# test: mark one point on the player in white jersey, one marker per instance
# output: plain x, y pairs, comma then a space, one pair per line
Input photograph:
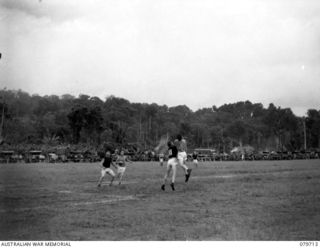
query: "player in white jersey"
181, 145
161, 159
121, 162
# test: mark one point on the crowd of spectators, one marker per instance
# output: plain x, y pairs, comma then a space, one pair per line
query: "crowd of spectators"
30, 153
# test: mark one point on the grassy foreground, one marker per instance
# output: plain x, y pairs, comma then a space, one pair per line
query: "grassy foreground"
265, 200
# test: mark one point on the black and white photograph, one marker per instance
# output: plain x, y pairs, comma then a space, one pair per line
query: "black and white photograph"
159, 120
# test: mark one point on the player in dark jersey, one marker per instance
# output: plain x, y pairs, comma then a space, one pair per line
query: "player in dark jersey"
105, 168
195, 158
171, 165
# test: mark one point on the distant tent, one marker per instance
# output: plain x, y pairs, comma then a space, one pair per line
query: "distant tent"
244, 149
235, 150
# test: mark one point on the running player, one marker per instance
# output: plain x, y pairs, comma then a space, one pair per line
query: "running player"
181, 144
161, 159
171, 165
121, 162
195, 158
105, 168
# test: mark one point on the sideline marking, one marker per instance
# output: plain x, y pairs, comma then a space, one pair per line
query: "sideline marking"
116, 199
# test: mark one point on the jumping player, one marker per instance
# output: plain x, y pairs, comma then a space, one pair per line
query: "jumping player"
171, 165
121, 162
105, 168
181, 145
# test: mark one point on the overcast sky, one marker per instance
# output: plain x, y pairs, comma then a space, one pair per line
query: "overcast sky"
198, 53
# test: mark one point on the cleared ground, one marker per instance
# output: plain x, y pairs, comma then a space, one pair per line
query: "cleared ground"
249, 200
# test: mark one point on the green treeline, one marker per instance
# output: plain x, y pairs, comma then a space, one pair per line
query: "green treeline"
52, 120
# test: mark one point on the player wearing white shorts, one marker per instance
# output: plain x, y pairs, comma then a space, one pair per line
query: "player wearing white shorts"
171, 165
181, 144
195, 158
121, 162
105, 168
161, 159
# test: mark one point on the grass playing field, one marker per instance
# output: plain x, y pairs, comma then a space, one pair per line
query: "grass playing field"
267, 200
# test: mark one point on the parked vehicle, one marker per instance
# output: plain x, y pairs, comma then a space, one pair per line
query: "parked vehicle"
53, 158
298, 155
206, 154
8, 157
258, 156
34, 156
75, 156
266, 155
274, 156
89, 156
285, 155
